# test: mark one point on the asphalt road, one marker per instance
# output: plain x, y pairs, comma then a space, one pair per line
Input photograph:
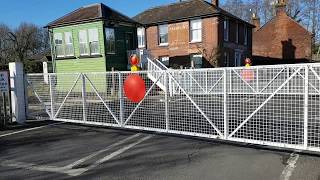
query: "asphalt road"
69, 151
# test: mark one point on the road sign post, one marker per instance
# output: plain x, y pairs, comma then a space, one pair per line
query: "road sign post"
4, 89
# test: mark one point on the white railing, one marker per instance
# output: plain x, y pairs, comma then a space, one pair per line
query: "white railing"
273, 105
155, 70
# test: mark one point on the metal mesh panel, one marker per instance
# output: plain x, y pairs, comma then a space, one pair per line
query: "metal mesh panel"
273, 116
102, 97
271, 105
314, 107
193, 111
38, 96
67, 96
150, 112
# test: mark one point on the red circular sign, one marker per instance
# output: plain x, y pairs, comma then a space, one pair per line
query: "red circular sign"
134, 88
134, 60
247, 74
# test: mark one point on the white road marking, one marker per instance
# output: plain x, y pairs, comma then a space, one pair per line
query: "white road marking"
30, 129
78, 171
31, 166
101, 151
110, 156
288, 170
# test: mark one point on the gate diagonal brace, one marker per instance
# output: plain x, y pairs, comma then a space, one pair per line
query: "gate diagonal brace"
197, 107
101, 99
271, 81
244, 80
64, 100
196, 82
264, 103
215, 84
38, 97
315, 73
147, 93
309, 83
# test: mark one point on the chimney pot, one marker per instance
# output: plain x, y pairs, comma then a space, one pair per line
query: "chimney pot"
281, 7
215, 2
255, 21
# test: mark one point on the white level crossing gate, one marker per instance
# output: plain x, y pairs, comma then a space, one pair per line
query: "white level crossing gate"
276, 106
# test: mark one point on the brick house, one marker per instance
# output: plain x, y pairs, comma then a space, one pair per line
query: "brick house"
194, 32
281, 40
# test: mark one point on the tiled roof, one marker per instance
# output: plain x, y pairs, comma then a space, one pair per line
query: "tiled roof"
180, 11
89, 14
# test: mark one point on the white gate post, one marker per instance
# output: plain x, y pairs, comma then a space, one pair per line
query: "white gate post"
306, 103
166, 101
51, 96
121, 99
17, 86
225, 104
84, 94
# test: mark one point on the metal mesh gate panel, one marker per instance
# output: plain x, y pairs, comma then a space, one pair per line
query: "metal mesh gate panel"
270, 105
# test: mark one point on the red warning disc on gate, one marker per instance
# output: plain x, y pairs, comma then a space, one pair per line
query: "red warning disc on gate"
247, 74
134, 88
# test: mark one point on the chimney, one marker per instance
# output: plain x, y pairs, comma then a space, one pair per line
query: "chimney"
215, 2
255, 21
281, 7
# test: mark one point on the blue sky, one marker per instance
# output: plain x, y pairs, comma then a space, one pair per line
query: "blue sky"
41, 12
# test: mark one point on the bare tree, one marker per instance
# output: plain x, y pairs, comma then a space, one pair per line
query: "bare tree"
306, 13
212, 55
4, 44
27, 40
238, 8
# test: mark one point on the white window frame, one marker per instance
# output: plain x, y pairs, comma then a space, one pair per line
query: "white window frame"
196, 29
113, 41
226, 30
68, 43
93, 38
85, 42
56, 45
161, 33
165, 60
245, 35
141, 35
193, 56
237, 54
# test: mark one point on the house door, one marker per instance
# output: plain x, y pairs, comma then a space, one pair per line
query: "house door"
129, 41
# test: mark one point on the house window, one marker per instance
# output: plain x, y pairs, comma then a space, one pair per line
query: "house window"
83, 43
69, 51
245, 35
226, 29
237, 33
110, 41
164, 60
226, 59
59, 44
163, 35
237, 58
196, 30
93, 41
141, 37
196, 60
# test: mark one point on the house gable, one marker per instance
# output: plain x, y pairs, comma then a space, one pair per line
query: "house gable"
282, 38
